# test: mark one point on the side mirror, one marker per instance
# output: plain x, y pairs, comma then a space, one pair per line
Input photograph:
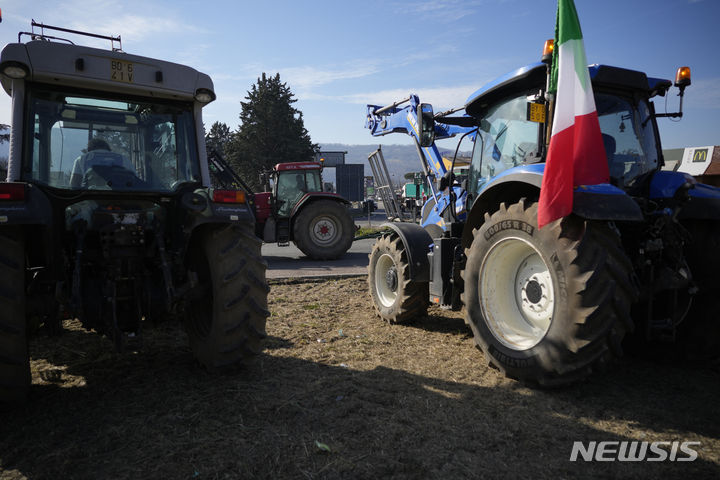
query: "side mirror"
426, 124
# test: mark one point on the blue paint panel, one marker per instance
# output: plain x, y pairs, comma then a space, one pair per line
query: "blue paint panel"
601, 189
489, 86
658, 86
535, 169
705, 191
524, 173
664, 184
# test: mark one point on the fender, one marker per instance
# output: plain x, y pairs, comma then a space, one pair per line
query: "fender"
704, 201
33, 209
593, 202
308, 197
201, 210
605, 202
508, 186
417, 244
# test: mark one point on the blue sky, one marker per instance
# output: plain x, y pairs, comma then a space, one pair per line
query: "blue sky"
337, 56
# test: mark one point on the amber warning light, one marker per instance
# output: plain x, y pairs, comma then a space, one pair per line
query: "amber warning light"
548, 50
682, 77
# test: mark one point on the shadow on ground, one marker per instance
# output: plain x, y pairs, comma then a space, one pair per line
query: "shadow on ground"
156, 414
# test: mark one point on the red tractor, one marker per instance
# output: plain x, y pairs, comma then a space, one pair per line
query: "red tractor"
295, 208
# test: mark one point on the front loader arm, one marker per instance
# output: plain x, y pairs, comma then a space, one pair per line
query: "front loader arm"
395, 118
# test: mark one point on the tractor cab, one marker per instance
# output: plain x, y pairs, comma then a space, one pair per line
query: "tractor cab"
294, 208
293, 181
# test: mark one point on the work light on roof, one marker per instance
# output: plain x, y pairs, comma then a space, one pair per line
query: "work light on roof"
203, 95
14, 70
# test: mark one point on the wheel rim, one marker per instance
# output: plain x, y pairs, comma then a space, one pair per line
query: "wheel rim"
324, 230
517, 295
386, 280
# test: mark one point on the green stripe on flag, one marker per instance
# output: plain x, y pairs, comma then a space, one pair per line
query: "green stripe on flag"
568, 23
567, 27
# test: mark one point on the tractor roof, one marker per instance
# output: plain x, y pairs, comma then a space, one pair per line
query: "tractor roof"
92, 68
298, 166
530, 76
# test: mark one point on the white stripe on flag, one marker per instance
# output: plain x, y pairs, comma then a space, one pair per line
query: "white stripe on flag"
575, 100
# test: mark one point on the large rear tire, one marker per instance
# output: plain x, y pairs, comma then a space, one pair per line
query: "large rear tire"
323, 230
547, 305
14, 360
396, 297
227, 324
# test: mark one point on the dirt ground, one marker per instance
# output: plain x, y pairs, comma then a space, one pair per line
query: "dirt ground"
340, 394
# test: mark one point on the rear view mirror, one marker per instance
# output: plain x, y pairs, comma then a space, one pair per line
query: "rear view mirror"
426, 124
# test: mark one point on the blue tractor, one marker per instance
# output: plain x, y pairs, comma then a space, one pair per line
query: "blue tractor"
634, 264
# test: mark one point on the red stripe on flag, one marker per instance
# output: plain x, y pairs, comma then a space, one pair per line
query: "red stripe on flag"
576, 156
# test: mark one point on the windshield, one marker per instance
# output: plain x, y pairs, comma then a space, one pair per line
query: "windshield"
628, 135
83, 142
292, 185
506, 139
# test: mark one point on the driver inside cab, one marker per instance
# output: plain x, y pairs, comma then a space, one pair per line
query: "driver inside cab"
98, 154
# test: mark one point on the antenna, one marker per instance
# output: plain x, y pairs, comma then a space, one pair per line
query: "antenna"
42, 36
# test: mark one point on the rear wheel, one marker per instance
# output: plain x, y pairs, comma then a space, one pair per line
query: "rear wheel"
396, 297
546, 306
699, 333
14, 359
226, 324
323, 230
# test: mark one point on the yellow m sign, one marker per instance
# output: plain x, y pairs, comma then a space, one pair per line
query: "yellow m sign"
700, 155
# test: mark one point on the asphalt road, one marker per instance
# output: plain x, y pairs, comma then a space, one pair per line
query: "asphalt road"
290, 262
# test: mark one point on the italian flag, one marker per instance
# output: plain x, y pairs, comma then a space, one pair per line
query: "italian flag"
576, 155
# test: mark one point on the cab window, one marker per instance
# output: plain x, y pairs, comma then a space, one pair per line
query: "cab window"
505, 139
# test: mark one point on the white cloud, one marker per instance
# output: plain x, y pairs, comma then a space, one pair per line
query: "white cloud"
440, 97
115, 18
301, 79
308, 77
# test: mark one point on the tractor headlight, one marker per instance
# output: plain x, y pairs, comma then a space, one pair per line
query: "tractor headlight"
203, 95
15, 70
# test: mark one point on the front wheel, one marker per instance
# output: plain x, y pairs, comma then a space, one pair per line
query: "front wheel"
396, 297
323, 230
547, 305
226, 324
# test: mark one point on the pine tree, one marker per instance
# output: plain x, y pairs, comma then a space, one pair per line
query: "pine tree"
271, 131
5, 136
218, 137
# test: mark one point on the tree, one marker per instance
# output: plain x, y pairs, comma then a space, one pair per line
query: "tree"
5, 135
272, 131
218, 137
